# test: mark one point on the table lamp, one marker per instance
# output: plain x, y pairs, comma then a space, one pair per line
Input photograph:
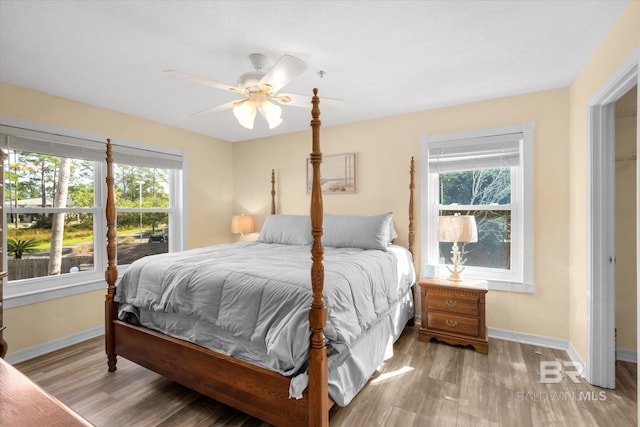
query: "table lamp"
457, 229
241, 224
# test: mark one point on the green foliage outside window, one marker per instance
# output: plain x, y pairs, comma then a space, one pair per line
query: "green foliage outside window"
17, 247
482, 188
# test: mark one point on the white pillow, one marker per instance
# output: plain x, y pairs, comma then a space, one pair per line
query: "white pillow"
287, 230
358, 231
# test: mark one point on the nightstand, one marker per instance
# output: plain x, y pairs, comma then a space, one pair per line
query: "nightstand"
453, 312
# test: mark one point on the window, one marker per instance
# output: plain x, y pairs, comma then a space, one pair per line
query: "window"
54, 210
487, 174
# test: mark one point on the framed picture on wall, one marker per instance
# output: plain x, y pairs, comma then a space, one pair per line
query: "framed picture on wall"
338, 174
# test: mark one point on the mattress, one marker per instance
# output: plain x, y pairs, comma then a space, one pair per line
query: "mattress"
250, 300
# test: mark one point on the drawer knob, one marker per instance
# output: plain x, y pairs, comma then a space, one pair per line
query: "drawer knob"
451, 302
452, 323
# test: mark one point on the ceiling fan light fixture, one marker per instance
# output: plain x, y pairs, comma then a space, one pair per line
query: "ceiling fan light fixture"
271, 112
245, 113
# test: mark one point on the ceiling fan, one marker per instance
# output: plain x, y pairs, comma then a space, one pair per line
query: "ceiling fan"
259, 89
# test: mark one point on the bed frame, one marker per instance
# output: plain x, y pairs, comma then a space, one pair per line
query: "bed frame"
249, 388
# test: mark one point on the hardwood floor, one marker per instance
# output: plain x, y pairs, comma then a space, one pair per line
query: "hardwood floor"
424, 384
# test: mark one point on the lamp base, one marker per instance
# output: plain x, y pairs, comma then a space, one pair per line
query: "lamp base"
455, 273
458, 264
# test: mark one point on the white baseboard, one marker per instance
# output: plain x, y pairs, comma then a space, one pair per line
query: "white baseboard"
626, 355
538, 340
57, 344
524, 338
575, 357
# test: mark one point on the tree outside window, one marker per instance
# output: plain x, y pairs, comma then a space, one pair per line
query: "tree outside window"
486, 195
50, 208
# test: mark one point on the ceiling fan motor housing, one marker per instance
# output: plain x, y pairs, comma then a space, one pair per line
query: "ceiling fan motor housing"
250, 80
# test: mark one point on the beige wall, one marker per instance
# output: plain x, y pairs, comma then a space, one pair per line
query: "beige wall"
241, 171
208, 208
623, 38
384, 147
626, 215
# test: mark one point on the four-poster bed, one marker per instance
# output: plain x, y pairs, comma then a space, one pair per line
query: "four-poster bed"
256, 390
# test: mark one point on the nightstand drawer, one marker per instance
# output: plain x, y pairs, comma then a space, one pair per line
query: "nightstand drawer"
468, 305
454, 324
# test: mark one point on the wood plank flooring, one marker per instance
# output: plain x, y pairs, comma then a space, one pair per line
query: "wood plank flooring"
424, 384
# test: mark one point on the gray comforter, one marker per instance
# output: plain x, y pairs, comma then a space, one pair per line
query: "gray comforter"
256, 297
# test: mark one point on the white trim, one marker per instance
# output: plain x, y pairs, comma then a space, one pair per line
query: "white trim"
538, 340
575, 357
520, 278
525, 287
20, 296
626, 355
57, 344
600, 316
524, 338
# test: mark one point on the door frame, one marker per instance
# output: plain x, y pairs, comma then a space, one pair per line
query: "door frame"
600, 366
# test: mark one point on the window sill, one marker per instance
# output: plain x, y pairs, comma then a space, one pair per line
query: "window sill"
501, 285
522, 287
18, 295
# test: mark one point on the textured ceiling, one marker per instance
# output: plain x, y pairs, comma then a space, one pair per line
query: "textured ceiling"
382, 58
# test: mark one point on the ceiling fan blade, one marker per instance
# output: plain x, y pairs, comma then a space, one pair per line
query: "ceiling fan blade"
203, 81
227, 106
286, 69
295, 100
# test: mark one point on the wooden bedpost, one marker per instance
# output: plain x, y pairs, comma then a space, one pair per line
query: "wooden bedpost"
318, 370
273, 192
111, 275
412, 227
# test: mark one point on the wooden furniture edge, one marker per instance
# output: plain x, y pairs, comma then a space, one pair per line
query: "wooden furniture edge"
249, 388
24, 403
480, 344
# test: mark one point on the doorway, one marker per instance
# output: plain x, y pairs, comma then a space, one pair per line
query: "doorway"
626, 274
601, 294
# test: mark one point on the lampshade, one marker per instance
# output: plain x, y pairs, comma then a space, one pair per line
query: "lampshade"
241, 224
272, 113
245, 111
457, 229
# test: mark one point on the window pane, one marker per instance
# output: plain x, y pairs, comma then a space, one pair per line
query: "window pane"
141, 187
29, 245
476, 187
31, 180
493, 249
142, 234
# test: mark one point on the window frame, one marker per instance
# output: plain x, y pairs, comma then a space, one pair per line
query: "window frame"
30, 291
520, 277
